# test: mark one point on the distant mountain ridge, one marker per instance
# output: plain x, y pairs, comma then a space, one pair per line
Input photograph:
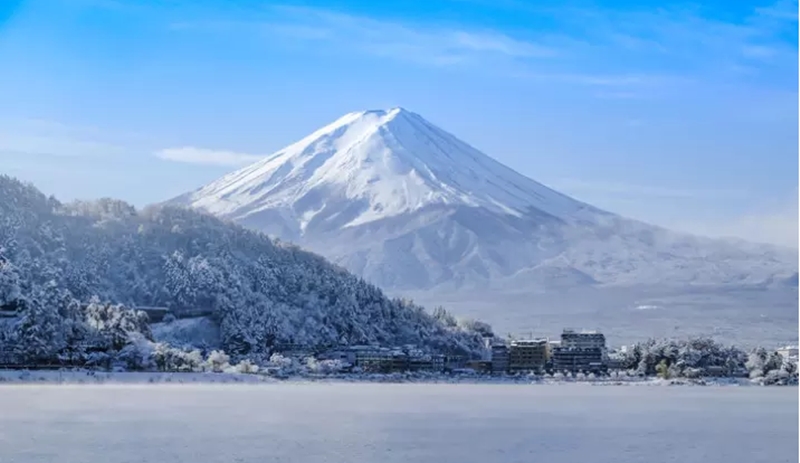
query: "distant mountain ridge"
407, 205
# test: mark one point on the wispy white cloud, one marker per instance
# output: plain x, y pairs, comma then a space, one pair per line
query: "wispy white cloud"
432, 45
39, 137
598, 47
494, 42
410, 41
634, 122
692, 210
782, 10
691, 35
609, 81
776, 225
192, 155
759, 52
677, 208
587, 189
619, 95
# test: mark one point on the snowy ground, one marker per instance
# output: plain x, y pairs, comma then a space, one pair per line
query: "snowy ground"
77, 377
387, 423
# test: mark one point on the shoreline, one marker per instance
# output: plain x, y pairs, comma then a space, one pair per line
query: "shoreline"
88, 377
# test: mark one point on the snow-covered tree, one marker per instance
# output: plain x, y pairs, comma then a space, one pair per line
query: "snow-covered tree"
10, 293
217, 361
116, 324
139, 354
324, 366
246, 367
446, 318
694, 357
37, 335
262, 293
756, 362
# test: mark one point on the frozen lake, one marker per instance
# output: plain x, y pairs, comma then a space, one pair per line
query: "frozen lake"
386, 423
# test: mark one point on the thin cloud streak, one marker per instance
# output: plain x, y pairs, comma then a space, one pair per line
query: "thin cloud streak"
192, 155
584, 188
438, 46
693, 46
13, 144
42, 137
775, 226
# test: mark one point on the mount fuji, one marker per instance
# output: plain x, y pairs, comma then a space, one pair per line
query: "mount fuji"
389, 196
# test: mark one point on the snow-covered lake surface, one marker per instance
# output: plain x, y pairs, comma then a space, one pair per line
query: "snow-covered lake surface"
385, 423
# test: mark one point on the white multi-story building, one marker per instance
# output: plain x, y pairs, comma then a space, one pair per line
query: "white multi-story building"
572, 339
789, 353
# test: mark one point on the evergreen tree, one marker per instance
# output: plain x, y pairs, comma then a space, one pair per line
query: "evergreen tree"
37, 335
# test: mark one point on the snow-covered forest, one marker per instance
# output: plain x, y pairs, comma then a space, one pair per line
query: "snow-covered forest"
700, 357
70, 270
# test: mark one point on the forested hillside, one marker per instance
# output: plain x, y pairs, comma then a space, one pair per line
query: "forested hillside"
262, 293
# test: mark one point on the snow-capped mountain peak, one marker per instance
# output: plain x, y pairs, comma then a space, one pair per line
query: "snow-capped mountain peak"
390, 162
405, 204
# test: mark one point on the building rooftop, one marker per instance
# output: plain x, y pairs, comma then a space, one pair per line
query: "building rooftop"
571, 331
528, 342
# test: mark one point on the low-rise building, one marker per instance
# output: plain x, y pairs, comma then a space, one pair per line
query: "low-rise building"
379, 360
437, 361
480, 366
574, 360
789, 353
455, 362
425, 362
386, 360
343, 355
499, 358
527, 355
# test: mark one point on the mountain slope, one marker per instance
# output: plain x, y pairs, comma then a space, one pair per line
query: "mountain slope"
260, 293
409, 206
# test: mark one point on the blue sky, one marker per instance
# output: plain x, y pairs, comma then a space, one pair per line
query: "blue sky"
680, 114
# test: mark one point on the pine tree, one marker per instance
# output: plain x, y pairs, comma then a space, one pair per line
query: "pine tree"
10, 292
37, 335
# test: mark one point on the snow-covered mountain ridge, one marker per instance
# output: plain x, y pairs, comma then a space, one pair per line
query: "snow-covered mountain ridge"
407, 205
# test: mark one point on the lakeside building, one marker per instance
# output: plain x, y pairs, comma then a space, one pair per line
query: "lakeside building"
576, 351
499, 358
583, 351
576, 360
388, 360
486, 355
480, 366
528, 355
455, 362
789, 353
583, 339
